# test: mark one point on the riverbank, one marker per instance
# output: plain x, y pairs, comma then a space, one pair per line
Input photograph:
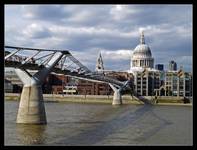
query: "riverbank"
126, 99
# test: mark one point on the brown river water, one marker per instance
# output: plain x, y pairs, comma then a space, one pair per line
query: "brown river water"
102, 124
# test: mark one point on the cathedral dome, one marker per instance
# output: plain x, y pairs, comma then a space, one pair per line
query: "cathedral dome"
142, 51
142, 56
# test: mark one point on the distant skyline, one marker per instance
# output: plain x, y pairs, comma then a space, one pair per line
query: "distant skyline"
113, 30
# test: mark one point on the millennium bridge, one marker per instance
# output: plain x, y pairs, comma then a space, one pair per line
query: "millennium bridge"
31, 108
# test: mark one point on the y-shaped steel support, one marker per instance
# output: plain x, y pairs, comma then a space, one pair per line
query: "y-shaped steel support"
31, 108
117, 98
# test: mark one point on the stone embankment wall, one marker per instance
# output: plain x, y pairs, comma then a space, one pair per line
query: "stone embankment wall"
127, 99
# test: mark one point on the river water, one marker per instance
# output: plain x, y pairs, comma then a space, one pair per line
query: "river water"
102, 124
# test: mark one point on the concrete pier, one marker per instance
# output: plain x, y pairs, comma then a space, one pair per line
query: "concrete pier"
117, 99
31, 108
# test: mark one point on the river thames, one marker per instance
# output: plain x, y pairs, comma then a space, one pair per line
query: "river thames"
102, 124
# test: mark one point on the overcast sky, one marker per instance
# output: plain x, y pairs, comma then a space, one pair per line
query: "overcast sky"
112, 29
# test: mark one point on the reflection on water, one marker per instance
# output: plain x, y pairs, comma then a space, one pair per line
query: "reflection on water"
123, 119
102, 124
30, 134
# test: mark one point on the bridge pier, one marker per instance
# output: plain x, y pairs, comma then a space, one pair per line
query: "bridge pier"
31, 108
117, 98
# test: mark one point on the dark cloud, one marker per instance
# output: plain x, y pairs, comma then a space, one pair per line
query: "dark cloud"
45, 12
75, 15
160, 14
99, 15
87, 29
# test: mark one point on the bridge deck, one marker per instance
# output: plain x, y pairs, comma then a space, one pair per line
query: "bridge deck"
95, 78
74, 69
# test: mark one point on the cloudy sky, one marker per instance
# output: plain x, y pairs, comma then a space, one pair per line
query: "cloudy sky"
112, 30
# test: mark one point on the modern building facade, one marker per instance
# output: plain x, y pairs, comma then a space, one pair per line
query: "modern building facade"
178, 83
146, 82
159, 67
172, 65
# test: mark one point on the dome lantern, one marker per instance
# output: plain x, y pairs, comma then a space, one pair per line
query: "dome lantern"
142, 40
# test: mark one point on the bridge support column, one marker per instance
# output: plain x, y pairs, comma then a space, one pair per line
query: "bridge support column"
31, 108
117, 98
